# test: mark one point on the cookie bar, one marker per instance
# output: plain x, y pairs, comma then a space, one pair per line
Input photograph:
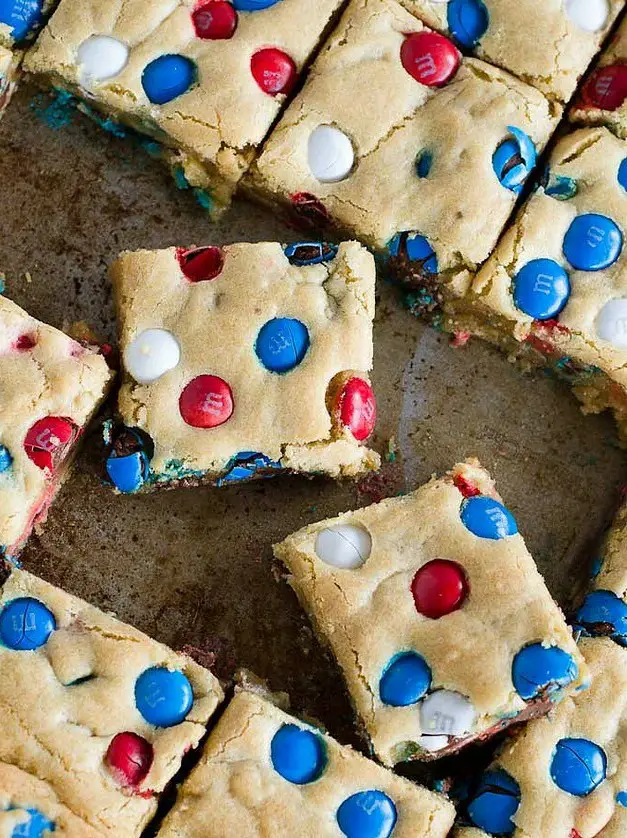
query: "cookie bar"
264, 772
28, 807
21, 20
604, 609
564, 776
204, 78
51, 385
111, 715
243, 361
554, 292
392, 588
549, 49
601, 98
408, 147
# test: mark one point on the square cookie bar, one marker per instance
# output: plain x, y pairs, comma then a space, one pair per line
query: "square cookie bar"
437, 615
205, 78
549, 47
405, 145
601, 98
50, 385
565, 775
96, 714
554, 292
604, 610
264, 772
243, 361
30, 809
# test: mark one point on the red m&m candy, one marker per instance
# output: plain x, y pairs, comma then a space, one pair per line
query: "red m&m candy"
430, 58
439, 588
25, 342
606, 88
202, 263
357, 408
273, 70
129, 758
214, 20
206, 402
48, 439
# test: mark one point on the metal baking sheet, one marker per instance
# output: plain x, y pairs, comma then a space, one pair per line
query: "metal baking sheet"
194, 567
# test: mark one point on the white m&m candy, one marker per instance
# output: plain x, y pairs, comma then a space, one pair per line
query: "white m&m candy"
611, 323
589, 15
153, 353
101, 57
330, 154
444, 713
345, 546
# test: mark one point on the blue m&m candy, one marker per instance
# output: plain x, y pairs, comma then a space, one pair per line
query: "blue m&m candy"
578, 766
37, 825
468, 21
424, 161
621, 799
405, 680
560, 187
163, 696
21, 16
298, 755
282, 343
310, 253
487, 518
514, 159
592, 242
622, 174
6, 459
168, 77
127, 464
541, 289
495, 803
26, 624
415, 248
127, 473
604, 613
542, 669
367, 814
253, 5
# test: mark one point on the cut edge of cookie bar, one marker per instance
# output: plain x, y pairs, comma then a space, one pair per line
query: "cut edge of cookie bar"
309, 277
564, 775
565, 344
405, 254
327, 565
47, 456
303, 772
213, 177
103, 757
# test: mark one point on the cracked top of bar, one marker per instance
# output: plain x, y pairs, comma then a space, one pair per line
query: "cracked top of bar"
71, 680
601, 98
566, 246
275, 340
437, 588
242, 785
549, 48
569, 769
222, 113
50, 386
423, 155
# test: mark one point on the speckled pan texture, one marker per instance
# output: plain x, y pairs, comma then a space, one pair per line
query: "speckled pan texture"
193, 567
